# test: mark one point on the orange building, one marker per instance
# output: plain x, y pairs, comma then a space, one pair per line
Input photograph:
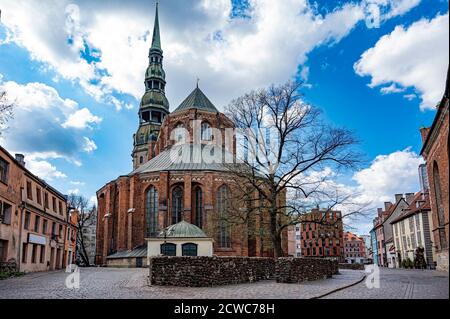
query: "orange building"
34, 220
354, 248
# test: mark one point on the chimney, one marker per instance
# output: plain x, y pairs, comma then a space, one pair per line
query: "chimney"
379, 211
398, 197
20, 158
424, 133
387, 205
409, 197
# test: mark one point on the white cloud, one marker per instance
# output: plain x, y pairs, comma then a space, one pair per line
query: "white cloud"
44, 169
89, 145
388, 175
393, 88
77, 183
198, 37
46, 125
93, 200
74, 191
415, 56
81, 119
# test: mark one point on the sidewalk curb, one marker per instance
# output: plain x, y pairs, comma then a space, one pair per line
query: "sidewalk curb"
340, 288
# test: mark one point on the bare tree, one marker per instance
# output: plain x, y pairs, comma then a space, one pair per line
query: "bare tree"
287, 155
87, 217
6, 109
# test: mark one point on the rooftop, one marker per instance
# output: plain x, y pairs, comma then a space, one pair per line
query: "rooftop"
197, 100
182, 229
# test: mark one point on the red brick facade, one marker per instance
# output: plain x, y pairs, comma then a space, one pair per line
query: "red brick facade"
436, 154
322, 235
121, 215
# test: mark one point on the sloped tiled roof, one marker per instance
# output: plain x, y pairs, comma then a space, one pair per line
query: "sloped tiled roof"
420, 203
197, 100
140, 251
185, 157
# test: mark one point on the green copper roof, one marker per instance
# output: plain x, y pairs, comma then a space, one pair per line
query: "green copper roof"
154, 99
182, 230
197, 100
156, 40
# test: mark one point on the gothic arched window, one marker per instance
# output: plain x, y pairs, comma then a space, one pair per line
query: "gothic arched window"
179, 133
198, 206
206, 132
177, 204
223, 235
151, 211
439, 205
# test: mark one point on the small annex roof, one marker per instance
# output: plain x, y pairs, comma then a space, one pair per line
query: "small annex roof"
182, 229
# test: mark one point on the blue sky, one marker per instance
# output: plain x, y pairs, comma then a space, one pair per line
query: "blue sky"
76, 71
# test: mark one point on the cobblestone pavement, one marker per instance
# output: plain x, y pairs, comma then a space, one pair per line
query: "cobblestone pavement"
132, 283
401, 284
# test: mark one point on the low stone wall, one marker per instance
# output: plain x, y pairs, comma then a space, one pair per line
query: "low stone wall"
209, 271
351, 266
291, 270
215, 271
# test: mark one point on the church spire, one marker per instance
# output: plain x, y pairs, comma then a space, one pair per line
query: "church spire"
156, 40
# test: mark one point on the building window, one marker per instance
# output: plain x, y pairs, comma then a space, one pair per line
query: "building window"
46, 200
37, 220
5, 213
168, 249
29, 191
33, 253
151, 211
177, 204
42, 256
38, 196
4, 165
189, 249
3, 250
224, 240
54, 203
44, 227
53, 229
60, 208
60, 233
141, 159
26, 223
206, 132
24, 252
179, 133
198, 197
439, 206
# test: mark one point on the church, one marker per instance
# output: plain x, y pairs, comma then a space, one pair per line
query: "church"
172, 182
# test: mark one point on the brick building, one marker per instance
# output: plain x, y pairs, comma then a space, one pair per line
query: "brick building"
37, 232
435, 151
354, 248
178, 175
321, 234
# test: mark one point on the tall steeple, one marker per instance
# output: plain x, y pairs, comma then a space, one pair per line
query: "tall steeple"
156, 40
154, 105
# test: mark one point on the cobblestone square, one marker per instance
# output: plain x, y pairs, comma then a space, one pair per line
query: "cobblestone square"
122, 283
